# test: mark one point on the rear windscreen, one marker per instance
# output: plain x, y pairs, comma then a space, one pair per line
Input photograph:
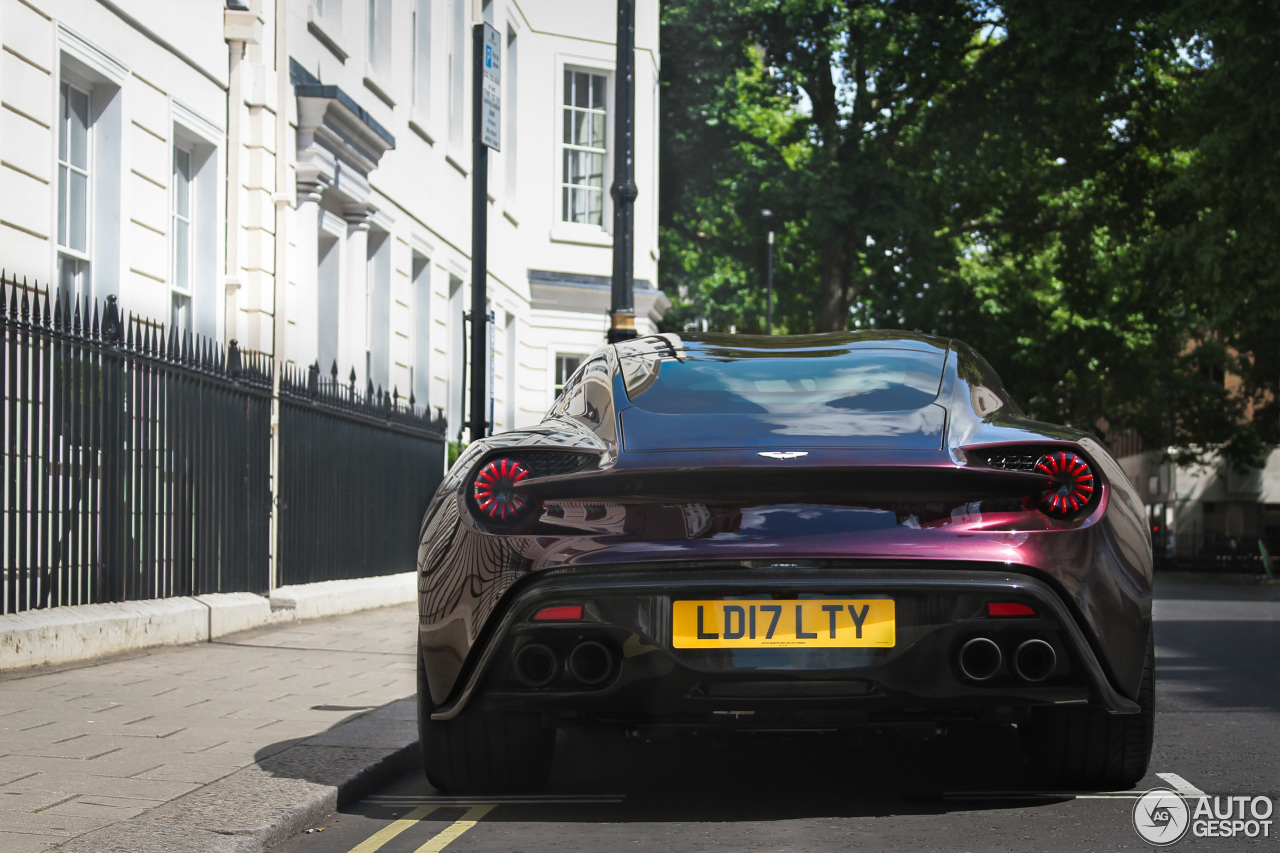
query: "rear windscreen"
856, 380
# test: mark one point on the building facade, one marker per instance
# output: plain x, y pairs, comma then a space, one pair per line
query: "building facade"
1210, 509
297, 174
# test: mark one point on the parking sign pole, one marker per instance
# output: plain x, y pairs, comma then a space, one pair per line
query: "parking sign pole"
485, 132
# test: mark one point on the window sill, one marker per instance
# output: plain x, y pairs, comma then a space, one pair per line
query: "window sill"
315, 26
378, 87
585, 235
448, 158
420, 128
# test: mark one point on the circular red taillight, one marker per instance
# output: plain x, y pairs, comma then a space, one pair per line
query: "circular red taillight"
495, 493
1071, 483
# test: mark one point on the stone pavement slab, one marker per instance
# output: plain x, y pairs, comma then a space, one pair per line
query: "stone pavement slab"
221, 746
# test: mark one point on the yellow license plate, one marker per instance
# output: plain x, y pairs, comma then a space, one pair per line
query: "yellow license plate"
762, 624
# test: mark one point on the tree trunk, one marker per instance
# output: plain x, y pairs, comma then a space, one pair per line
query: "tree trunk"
834, 295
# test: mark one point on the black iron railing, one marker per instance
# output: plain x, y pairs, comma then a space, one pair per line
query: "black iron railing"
356, 474
1218, 552
136, 464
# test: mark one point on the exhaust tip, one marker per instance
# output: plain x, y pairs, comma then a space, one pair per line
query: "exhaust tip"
536, 665
1035, 660
979, 659
591, 662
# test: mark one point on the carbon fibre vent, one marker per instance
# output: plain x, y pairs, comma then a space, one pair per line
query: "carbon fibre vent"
549, 463
1015, 460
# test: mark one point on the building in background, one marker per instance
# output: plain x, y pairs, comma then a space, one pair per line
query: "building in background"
1208, 515
297, 177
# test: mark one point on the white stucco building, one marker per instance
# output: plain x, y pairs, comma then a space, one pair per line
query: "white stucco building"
297, 175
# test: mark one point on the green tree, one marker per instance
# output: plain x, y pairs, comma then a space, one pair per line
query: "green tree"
1085, 191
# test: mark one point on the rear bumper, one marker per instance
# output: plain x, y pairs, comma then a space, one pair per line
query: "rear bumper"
628, 613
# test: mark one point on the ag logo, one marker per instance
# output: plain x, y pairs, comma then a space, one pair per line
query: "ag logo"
1161, 817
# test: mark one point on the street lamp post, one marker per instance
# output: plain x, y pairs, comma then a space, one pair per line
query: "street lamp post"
767, 215
622, 312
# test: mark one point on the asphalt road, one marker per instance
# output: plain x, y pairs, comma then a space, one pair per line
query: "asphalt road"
1218, 732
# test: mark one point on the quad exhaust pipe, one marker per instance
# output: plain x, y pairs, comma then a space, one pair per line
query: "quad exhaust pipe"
980, 658
537, 665
1034, 660
590, 663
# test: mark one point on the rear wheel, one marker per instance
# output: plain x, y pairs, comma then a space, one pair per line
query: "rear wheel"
1085, 748
481, 751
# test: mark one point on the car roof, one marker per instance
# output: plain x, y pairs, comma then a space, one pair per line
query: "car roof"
718, 345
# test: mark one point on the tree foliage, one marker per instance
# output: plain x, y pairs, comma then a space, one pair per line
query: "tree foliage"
1086, 191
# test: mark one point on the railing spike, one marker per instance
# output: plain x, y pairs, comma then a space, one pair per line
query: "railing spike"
46, 322
26, 303
57, 311
4, 303
111, 326
96, 327
76, 322
233, 358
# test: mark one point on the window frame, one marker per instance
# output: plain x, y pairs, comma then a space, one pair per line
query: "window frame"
177, 291
80, 259
204, 142
380, 31
577, 232
90, 69
421, 77
558, 382
569, 113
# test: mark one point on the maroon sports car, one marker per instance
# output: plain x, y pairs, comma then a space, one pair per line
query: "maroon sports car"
824, 532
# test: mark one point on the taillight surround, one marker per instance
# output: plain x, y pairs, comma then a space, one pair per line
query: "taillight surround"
1072, 483
494, 489
1071, 487
501, 494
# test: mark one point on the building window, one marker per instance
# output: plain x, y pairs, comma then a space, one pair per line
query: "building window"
566, 366
380, 37
181, 228
582, 188
510, 76
422, 57
512, 386
457, 74
329, 10
329, 258
377, 309
73, 192
420, 357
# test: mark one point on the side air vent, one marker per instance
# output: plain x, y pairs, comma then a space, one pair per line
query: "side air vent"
550, 463
1015, 459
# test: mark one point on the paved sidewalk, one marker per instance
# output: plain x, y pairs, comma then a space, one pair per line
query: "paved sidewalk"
207, 747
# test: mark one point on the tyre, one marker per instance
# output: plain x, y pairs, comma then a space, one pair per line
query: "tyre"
482, 751
1085, 748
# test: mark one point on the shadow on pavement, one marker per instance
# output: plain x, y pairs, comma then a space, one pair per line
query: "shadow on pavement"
764, 777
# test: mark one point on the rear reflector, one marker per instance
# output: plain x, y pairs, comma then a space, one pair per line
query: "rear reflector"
1008, 608
562, 613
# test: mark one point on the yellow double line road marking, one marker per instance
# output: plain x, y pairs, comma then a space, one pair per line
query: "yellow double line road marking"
441, 840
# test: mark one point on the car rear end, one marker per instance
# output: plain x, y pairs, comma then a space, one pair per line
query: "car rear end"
754, 558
